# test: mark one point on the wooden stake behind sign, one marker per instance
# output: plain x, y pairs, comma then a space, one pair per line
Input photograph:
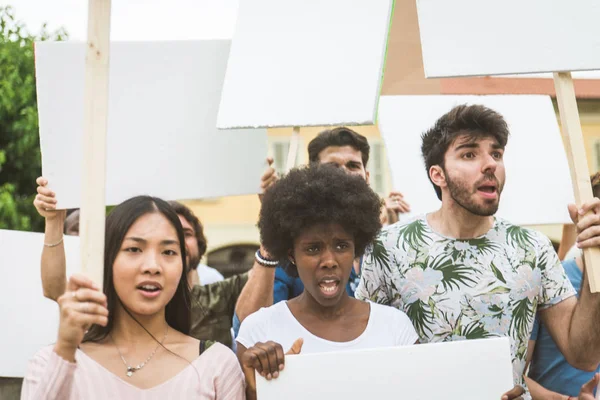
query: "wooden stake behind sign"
293, 151
93, 211
574, 146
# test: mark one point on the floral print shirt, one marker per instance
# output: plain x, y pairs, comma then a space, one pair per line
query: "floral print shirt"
455, 289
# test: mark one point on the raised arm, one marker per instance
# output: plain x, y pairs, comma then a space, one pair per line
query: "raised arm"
569, 235
394, 205
258, 291
572, 323
50, 373
53, 263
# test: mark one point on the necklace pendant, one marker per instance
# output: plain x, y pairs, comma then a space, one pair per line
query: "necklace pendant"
130, 371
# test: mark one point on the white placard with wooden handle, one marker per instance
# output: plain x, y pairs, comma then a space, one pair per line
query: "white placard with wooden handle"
460, 39
573, 141
93, 210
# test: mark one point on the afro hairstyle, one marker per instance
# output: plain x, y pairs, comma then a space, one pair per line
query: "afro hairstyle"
314, 195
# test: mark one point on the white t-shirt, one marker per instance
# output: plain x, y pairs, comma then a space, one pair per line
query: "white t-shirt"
208, 275
387, 327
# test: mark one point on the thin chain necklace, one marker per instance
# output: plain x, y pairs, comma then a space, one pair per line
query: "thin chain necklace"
130, 369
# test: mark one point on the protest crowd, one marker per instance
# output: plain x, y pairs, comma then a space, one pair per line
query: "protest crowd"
340, 270
331, 274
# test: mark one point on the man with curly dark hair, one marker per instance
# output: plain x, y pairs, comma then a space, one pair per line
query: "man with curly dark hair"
462, 273
320, 219
341, 147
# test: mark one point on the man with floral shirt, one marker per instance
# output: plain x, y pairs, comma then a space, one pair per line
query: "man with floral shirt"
460, 273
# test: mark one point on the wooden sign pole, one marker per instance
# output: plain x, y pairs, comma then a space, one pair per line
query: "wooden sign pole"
93, 211
580, 175
293, 151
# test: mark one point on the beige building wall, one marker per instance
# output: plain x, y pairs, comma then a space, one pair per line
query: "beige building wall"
590, 122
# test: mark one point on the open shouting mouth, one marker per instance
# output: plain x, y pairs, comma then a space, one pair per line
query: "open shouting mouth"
329, 286
149, 289
488, 191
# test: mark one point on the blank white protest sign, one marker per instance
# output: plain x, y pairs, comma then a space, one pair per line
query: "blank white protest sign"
538, 183
474, 37
305, 63
30, 321
469, 370
162, 138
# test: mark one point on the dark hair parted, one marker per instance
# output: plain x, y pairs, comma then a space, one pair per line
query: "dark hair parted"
314, 195
338, 137
190, 217
476, 121
118, 223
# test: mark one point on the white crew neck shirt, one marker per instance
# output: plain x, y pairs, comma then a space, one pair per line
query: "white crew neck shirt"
387, 327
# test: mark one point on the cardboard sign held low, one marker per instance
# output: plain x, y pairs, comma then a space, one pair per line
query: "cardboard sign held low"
466, 370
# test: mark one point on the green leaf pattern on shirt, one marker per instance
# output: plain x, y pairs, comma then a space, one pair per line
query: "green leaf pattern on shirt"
452, 289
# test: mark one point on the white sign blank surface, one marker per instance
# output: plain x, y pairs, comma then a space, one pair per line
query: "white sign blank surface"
30, 321
538, 183
134, 20
305, 63
162, 137
474, 37
419, 372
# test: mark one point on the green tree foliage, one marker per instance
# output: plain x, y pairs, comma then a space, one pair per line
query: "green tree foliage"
20, 159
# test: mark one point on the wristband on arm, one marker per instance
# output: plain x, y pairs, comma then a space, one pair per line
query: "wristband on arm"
265, 262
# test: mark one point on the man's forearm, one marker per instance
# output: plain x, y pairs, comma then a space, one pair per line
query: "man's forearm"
53, 263
583, 333
257, 293
538, 392
569, 236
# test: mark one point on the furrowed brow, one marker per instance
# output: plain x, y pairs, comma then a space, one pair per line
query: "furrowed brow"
466, 146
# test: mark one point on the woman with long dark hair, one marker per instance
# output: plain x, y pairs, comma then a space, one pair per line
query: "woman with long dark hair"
131, 341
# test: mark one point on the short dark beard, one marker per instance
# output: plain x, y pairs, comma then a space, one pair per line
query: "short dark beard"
193, 263
460, 194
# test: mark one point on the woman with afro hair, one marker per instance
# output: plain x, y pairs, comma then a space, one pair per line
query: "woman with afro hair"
320, 219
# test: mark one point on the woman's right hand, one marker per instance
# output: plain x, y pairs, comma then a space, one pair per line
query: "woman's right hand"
268, 178
267, 359
45, 201
81, 306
